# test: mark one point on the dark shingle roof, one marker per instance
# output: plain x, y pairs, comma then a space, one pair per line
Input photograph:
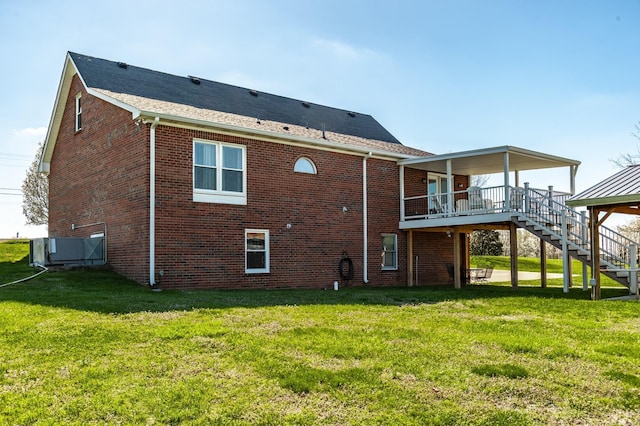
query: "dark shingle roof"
210, 95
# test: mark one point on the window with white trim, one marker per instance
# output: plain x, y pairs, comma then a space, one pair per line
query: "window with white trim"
219, 173
305, 165
78, 112
256, 251
389, 252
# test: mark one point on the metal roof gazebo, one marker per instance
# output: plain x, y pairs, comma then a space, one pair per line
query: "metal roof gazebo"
619, 193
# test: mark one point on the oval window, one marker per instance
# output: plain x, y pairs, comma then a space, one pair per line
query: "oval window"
304, 165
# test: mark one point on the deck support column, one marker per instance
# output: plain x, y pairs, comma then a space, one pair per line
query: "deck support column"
457, 270
513, 243
595, 253
410, 272
543, 264
566, 259
633, 269
585, 235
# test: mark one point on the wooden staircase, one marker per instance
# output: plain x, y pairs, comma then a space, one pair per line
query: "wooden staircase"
568, 230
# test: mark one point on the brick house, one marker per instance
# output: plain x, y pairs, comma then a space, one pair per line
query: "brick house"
199, 184
206, 185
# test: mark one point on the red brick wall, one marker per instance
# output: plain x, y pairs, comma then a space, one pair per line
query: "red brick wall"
101, 174
434, 250
202, 244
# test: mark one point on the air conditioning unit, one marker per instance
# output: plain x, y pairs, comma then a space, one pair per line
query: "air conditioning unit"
67, 251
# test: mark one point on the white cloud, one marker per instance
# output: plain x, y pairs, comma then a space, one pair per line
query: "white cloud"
30, 132
343, 50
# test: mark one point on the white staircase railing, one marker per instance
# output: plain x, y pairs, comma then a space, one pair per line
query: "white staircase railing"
546, 211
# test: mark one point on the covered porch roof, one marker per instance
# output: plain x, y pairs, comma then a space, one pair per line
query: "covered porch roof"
485, 161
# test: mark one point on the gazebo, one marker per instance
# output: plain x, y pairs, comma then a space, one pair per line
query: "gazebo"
619, 193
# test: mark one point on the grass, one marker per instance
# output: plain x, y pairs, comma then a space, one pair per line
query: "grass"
89, 347
530, 264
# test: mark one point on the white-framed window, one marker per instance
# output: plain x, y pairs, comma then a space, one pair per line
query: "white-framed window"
256, 248
78, 112
305, 165
219, 172
389, 252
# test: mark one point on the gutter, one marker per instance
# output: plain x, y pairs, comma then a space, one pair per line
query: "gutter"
152, 202
190, 123
365, 227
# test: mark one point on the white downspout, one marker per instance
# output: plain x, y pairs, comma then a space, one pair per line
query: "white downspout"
365, 275
152, 202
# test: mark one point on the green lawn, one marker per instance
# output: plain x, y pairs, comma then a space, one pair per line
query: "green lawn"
533, 265
89, 347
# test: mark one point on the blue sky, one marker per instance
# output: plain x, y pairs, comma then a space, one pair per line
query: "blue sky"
561, 77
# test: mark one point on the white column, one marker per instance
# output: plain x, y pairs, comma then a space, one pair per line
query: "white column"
402, 193
507, 201
584, 234
566, 270
449, 188
633, 266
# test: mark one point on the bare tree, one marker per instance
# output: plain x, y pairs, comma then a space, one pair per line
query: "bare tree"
625, 160
631, 229
35, 193
479, 180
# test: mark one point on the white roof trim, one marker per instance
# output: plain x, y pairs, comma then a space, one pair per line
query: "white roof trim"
68, 71
168, 119
489, 161
135, 112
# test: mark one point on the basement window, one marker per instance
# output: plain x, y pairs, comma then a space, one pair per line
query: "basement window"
219, 173
304, 165
78, 112
389, 252
256, 251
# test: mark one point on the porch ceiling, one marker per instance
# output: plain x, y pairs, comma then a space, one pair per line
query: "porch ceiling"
488, 161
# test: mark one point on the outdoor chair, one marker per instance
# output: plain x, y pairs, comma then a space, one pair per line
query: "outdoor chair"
436, 205
516, 199
464, 274
488, 274
475, 198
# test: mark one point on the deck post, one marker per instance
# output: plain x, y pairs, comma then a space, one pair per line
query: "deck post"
633, 265
595, 253
543, 264
410, 282
457, 270
584, 235
513, 243
566, 259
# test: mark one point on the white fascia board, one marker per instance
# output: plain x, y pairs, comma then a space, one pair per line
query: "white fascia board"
488, 151
135, 112
68, 71
603, 201
271, 136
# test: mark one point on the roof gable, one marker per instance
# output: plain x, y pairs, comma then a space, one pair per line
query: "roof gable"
210, 95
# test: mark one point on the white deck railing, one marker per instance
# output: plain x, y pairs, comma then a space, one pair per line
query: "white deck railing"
542, 206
